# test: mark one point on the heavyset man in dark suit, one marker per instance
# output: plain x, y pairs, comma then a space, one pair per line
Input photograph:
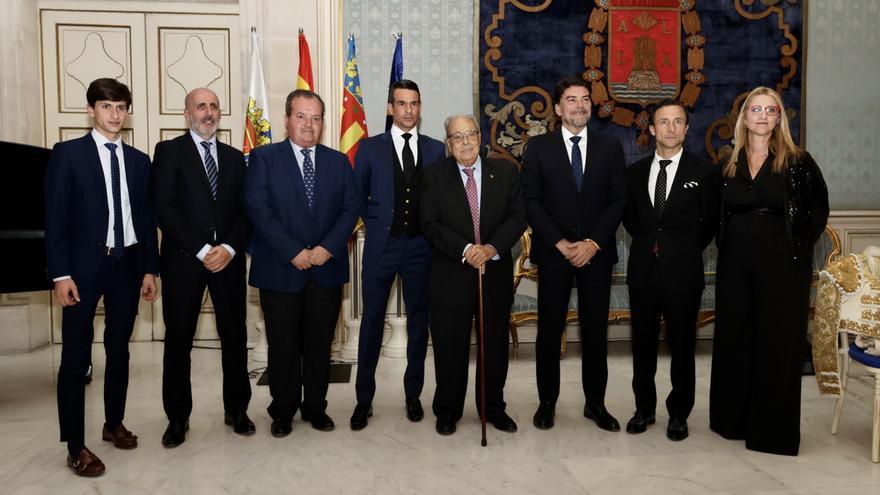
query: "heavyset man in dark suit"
388, 168
303, 202
100, 241
472, 214
574, 185
671, 213
198, 186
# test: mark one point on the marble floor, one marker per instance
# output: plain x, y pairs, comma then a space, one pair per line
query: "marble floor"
393, 455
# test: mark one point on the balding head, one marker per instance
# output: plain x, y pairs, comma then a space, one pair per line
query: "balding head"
202, 112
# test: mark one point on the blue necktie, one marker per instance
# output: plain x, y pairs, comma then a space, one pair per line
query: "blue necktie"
309, 175
116, 185
577, 162
211, 167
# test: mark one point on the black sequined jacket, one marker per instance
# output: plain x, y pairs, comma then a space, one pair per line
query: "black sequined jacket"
806, 207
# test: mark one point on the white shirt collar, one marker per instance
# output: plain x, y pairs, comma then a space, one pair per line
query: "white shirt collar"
397, 133
477, 166
675, 158
297, 149
567, 135
100, 140
198, 140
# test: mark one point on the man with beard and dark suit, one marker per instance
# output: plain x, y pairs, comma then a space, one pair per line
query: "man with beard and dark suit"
388, 168
303, 201
100, 242
472, 214
673, 202
574, 185
198, 187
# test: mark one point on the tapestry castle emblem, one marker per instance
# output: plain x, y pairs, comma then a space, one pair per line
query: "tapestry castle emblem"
644, 50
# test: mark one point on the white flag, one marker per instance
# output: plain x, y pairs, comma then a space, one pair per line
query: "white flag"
257, 128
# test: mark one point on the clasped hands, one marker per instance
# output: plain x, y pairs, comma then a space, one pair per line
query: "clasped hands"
217, 258
478, 254
578, 253
308, 258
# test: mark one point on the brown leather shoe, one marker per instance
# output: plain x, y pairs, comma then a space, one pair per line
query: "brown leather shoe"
120, 436
86, 464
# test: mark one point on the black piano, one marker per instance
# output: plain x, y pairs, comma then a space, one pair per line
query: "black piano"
22, 218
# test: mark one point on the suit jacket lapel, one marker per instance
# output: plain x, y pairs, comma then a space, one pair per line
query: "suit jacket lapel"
193, 159
456, 186
561, 148
90, 150
681, 176
290, 163
225, 165
487, 192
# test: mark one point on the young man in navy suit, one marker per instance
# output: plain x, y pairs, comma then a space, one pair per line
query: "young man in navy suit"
574, 185
198, 188
303, 202
672, 208
389, 168
100, 241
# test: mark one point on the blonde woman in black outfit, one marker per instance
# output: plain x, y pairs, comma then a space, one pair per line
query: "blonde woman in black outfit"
775, 205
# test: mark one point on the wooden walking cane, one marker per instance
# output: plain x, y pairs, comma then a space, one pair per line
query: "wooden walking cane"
482, 350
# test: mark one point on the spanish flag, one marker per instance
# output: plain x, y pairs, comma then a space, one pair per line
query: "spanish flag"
304, 78
354, 121
257, 129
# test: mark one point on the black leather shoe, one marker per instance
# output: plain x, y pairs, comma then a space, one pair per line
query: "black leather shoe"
175, 434
414, 411
319, 420
544, 416
281, 427
503, 422
677, 429
240, 423
359, 416
639, 422
445, 426
602, 417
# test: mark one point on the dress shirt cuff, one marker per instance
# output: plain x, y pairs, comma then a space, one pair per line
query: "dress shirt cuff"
229, 248
465, 250
63, 277
203, 252
497, 256
594, 243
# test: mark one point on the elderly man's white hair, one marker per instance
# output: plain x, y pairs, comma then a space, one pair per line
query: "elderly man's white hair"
459, 116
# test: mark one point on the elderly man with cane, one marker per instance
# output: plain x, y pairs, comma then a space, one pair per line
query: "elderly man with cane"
472, 213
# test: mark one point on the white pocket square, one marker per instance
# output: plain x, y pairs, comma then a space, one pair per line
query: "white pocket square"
691, 184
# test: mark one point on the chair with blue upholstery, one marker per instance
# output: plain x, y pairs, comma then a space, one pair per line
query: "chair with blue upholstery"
871, 363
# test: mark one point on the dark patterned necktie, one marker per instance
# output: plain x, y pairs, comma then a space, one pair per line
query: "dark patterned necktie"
660, 189
116, 185
577, 162
474, 202
211, 167
409, 161
309, 175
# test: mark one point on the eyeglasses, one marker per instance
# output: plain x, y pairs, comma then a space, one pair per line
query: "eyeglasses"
461, 137
769, 109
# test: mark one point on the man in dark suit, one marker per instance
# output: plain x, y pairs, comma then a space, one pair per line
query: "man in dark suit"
671, 213
100, 241
302, 200
472, 214
574, 186
388, 168
198, 188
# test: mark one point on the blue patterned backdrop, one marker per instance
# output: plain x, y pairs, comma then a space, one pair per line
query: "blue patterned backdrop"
534, 43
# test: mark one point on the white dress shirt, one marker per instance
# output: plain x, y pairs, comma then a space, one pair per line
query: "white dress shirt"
671, 169
198, 140
397, 139
582, 144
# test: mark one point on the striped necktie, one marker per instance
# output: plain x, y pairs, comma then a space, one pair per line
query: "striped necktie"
211, 167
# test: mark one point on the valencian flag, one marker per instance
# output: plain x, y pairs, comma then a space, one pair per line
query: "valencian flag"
396, 70
304, 78
354, 123
257, 129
